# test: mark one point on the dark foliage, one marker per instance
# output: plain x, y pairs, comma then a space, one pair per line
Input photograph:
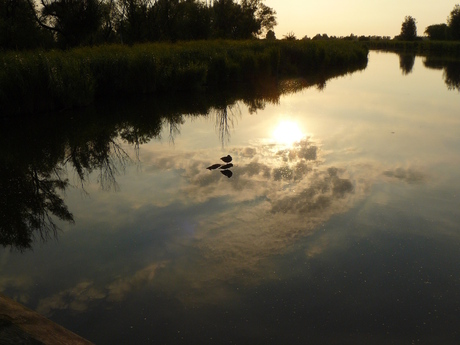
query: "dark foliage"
71, 23
18, 27
408, 29
439, 32
454, 22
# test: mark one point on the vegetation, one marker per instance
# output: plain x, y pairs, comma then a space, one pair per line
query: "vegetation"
408, 29
454, 22
449, 48
26, 24
449, 31
438, 32
18, 28
38, 81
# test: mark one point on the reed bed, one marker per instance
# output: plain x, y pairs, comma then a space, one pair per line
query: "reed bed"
38, 81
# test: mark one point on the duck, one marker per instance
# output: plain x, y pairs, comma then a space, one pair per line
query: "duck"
227, 159
214, 166
226, 166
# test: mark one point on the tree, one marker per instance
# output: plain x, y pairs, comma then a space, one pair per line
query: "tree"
266, 17
241, 20
438, 32
133, 20
225, 18
18, 27
290, 36
192, 21
72, 21
270, 35
320, 37
454, 22
408, 29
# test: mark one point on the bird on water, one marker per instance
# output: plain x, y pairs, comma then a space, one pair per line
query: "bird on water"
214, 166
227, 159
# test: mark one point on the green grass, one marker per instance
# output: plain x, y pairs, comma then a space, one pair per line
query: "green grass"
38, 81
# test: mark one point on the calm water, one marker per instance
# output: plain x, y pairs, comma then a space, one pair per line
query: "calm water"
340, 223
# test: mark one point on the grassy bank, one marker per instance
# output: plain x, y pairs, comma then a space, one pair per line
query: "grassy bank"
450, 48
37, 81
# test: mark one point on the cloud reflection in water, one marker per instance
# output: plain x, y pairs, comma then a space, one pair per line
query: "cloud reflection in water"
277, 195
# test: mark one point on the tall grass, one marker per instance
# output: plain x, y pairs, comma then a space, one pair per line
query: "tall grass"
39, 81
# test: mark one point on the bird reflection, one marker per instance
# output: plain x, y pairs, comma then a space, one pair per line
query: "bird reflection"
224, 169
227, 158
227, 173
226, 166
214, 166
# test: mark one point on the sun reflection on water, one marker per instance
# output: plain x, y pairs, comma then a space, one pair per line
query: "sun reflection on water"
287, 133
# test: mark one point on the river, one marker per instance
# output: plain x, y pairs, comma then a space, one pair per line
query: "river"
338, 222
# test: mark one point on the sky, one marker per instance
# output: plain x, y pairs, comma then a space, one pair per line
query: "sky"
360, 17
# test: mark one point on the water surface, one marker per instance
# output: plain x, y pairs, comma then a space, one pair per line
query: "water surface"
339, 223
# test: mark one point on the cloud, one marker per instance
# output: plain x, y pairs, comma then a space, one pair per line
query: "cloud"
19, 285
76, 299
119, 288
408, 175
275, 197
80, 297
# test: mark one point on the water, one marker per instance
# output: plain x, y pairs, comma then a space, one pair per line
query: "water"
339, 224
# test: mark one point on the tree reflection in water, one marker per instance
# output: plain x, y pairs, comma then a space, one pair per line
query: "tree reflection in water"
406, 62
29, 199
450, 67
33, 172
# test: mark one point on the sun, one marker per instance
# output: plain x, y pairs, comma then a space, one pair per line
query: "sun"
287, 133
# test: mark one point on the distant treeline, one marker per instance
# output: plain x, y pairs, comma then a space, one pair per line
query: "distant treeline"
35, 81
28, 24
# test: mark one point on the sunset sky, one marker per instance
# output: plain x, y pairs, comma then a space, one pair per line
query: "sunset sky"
360, 17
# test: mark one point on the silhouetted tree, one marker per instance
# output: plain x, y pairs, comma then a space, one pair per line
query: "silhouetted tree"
320, 37
270, 35
265, 16
290, 36
408, 29
454, 22
107, 31
225, 18
241, 21
18, 28
72, 21
133, 20
438, 32
192, 21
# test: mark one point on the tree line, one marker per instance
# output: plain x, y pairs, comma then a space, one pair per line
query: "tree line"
439, 32
28, 24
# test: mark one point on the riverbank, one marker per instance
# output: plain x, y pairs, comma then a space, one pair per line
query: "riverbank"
20, 325
39, 81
